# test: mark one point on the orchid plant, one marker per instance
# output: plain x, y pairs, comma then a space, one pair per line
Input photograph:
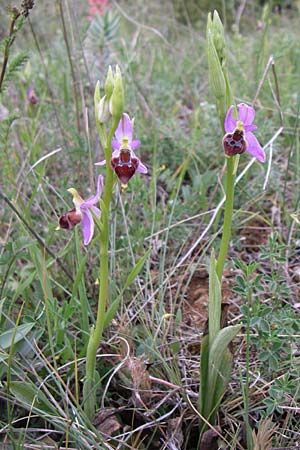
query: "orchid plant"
237, 124
116, 135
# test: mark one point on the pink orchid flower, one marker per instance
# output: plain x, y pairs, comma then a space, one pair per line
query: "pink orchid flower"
83, 212
124, 161
239, 137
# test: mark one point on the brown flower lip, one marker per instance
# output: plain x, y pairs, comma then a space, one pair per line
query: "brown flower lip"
124, 165
70, 219
234, 143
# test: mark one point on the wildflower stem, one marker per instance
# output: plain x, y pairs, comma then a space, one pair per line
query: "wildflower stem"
90, 385
247, 380
7, 46
227, 217
84, 317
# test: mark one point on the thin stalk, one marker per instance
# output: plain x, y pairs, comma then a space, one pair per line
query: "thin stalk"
246, 387
7, 47
96, 332
75, 89
84, 305
227, 217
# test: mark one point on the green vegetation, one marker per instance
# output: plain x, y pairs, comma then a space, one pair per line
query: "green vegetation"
162, 227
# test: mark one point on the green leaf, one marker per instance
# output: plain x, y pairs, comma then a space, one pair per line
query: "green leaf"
110, 313
14, 66
214, 302
222, 381
21, 332
79, 274
204, 393
136, 270
218, 362
32, 397
1, 306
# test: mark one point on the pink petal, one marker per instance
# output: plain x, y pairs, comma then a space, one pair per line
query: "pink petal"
94, 198
87, 225
254, 147
115, 154
250, 128
125, 128
96, 211
100, 163
246, 113
100, 184
116, 144
230, 122
135, 144
141, 168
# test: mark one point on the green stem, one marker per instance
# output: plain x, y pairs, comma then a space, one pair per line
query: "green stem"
227, 217
89, 389
84, 305
247, 381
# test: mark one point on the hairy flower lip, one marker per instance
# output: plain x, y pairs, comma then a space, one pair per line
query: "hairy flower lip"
70, 219
234, 143
246, 115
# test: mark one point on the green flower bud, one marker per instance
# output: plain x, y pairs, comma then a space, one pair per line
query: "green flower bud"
103, 110
216, 78
209, 23
109, 83
216, 75
218, 37
97, 97
117, 98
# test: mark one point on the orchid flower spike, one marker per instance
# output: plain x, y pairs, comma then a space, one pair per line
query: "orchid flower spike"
83, 212
124, 161
239, 137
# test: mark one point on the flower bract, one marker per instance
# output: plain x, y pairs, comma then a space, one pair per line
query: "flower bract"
83, 212
239, 136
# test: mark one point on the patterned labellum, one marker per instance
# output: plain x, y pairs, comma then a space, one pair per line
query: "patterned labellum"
124, 165
69, 220
234, 143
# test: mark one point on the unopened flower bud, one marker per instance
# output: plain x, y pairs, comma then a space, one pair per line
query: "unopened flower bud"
117, 98
97, 98
215, 70
103, 110
218, 37
109, 83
